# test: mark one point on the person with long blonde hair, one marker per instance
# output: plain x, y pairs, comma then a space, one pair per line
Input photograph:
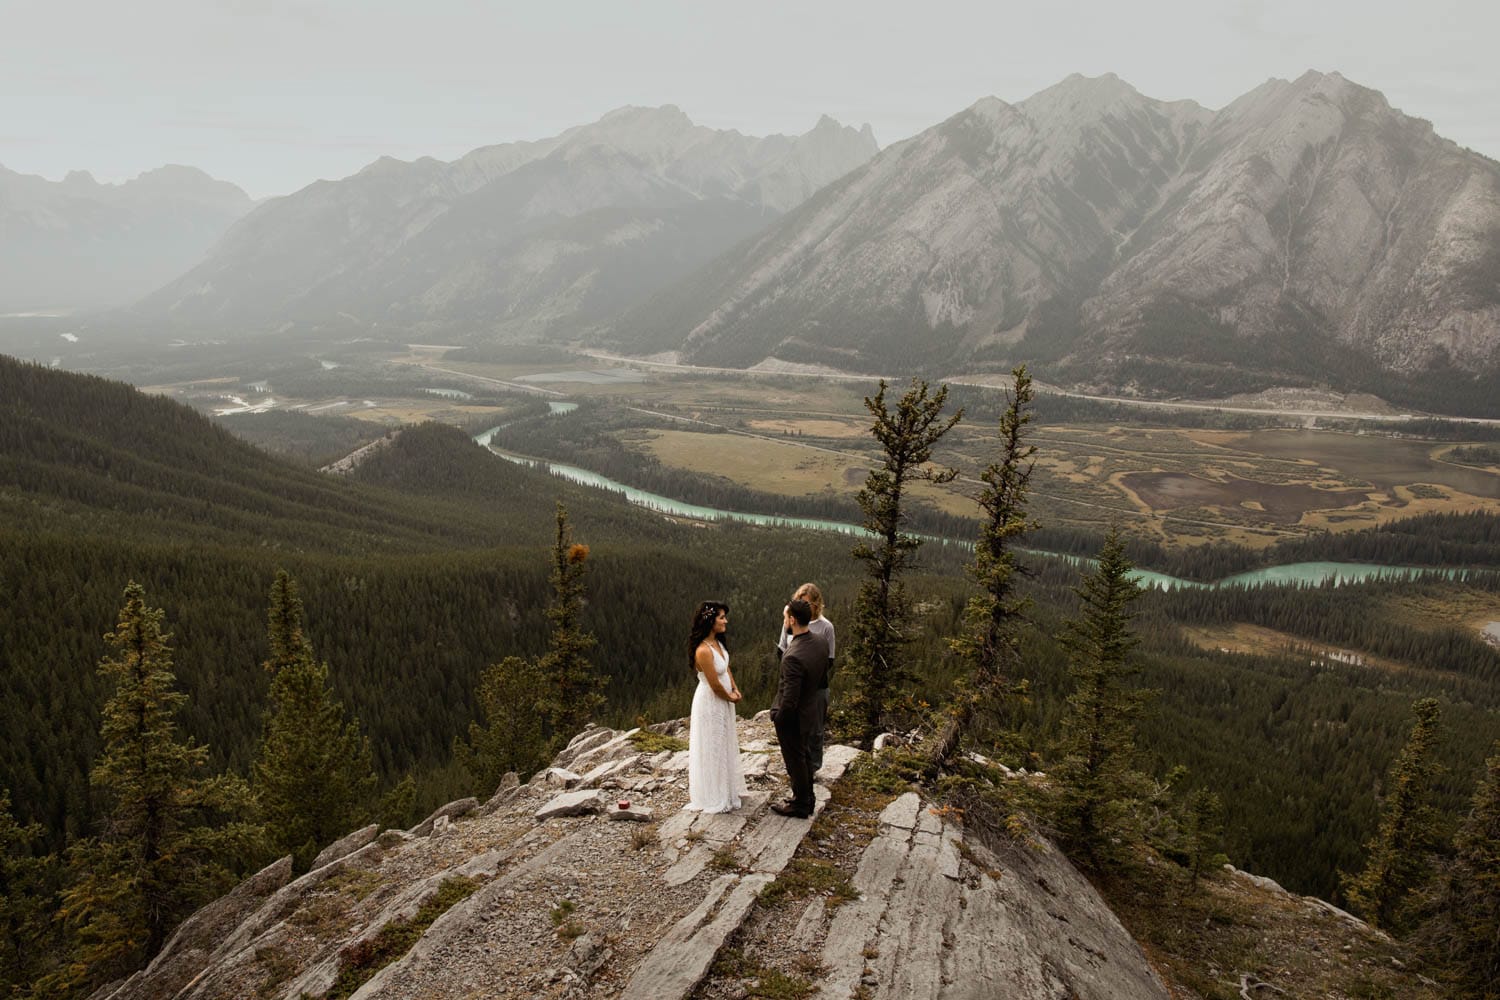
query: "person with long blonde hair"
823, 628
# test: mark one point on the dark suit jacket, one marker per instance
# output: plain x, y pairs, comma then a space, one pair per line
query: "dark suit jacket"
804, 669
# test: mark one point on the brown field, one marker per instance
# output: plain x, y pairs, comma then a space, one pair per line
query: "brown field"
811, 427
1459, 607
414, 411
776, 466
1282, 504
1254, 639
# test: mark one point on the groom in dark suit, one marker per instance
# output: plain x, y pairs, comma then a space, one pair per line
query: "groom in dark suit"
796, 710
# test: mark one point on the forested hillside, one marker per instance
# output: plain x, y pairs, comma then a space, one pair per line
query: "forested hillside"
417, 572
430, 563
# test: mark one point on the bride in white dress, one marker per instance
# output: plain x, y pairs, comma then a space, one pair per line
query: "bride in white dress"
715, 781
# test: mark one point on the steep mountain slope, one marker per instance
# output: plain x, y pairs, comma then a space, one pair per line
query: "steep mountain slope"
76, 243
511, 240
1305, 231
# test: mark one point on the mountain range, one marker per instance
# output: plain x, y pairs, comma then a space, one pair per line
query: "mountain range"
522, 240
1305, 231
78, 244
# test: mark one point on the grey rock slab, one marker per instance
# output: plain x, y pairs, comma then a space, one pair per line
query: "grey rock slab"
635, 813
855, 924
617, 746
915, 928
581, 744
559, 777
262, 924
595, 775
453, 810
682, 958
676, 826
677, 762
346, 845
949, 864
689, 866
440, 949
812, 925
1041, 930
902, 812
187, 951
774, 839
572, 804
836, 760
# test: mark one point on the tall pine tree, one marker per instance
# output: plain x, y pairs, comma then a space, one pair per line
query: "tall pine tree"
1398, 856
989, 643
877, 672
170, 836
1461, 937
26, 902
313, 778
511, 737
1096, 776
572, 687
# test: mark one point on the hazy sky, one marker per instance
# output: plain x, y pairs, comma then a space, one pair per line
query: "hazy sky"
273, 94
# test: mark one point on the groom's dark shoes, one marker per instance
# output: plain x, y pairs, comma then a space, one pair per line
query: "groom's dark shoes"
791, 809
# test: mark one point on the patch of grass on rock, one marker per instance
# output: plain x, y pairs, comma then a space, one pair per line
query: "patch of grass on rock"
808, 876
653, 743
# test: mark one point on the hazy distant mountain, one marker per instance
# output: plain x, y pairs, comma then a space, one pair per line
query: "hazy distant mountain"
76, 244
1305, 231
511, 240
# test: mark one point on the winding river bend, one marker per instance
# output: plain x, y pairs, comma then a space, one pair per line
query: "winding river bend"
1290, 573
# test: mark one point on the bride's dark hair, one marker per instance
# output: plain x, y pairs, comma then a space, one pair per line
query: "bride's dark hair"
703, 627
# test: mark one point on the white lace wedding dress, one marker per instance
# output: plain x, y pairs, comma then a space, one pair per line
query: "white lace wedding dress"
715, 781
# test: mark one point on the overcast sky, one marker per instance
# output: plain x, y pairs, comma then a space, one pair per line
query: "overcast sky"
273, 94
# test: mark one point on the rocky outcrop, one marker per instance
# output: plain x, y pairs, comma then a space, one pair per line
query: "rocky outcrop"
558, 902
1305, 231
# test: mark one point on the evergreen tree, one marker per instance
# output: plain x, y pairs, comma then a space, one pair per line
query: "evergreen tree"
879, 676
313, 777
988, 644
1202, 826
1462, 935
1397, 857
1096, 776
572, 688
25, 901
511, 738
169, 837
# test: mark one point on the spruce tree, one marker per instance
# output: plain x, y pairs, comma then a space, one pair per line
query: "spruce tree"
1202, 832
879, 676
313, 777
1398, 856
26, 901
511, 737
572, 688
1461, 937
1096, 776
988, 645
169, 836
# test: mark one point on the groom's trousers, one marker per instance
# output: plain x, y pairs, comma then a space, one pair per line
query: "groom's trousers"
797, 755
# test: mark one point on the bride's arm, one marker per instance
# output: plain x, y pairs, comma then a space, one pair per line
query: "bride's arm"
704, 661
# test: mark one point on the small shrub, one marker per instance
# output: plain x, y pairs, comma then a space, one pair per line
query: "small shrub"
724, 860
642, 837
562, 911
